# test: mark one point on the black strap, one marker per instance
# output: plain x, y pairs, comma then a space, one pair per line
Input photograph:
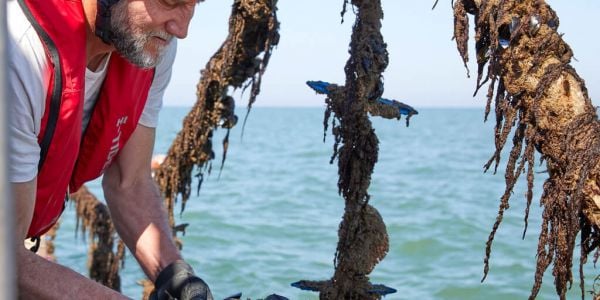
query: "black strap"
55, 99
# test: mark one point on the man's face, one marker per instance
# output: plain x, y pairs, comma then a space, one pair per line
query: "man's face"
143, 28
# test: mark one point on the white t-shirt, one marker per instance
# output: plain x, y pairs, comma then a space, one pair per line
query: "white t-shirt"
28, 81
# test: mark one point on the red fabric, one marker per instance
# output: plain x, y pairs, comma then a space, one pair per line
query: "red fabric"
114, 119
70, 158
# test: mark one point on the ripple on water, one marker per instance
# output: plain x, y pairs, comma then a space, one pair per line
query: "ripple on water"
272, 217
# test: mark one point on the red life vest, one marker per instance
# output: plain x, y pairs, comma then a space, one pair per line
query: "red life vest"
67, 160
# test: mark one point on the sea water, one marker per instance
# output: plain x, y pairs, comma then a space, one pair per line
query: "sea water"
271, 216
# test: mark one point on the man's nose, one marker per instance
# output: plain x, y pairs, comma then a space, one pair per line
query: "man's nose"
178, 25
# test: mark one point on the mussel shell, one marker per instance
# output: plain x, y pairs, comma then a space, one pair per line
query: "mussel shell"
553, 23
229, 122
514, 24
483, 54
534, 25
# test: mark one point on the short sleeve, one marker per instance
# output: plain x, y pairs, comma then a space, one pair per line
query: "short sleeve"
162, 76
25, 104
28, 79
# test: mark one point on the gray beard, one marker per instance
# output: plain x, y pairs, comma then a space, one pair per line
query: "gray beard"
129, 44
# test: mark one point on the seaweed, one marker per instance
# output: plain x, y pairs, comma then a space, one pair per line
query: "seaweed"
104, 259
543, 104
363, 239
240, 62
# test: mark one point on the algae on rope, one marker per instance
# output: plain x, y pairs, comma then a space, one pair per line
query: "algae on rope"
240, 62
104, 259
540, 98
363, 239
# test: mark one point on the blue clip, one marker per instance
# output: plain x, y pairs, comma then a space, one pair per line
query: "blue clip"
319, 86
404, 109
380, 289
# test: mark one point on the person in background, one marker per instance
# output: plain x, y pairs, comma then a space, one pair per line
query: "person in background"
86, 82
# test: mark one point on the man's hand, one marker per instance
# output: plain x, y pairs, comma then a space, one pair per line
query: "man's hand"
137, 210
177, 281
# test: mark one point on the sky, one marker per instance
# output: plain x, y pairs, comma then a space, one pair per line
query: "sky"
425, 69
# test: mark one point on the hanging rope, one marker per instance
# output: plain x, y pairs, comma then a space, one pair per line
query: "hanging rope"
104, 259
363, 239
240, 62
543, 104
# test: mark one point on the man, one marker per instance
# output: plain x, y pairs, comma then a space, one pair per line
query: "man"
86, 80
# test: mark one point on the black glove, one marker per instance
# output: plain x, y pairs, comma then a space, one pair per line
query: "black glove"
177, 281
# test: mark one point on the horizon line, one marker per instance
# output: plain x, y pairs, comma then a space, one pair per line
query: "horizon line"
323, 106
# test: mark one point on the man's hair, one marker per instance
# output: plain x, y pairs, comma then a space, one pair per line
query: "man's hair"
103, 20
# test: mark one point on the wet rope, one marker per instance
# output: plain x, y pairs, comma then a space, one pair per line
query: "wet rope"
541, 102
240, 62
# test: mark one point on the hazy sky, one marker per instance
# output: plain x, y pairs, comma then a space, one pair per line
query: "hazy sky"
425, 69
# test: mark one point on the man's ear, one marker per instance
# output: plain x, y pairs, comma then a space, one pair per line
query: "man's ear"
103, 20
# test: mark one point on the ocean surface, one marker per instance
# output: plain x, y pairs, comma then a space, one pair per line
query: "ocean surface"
271, 217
